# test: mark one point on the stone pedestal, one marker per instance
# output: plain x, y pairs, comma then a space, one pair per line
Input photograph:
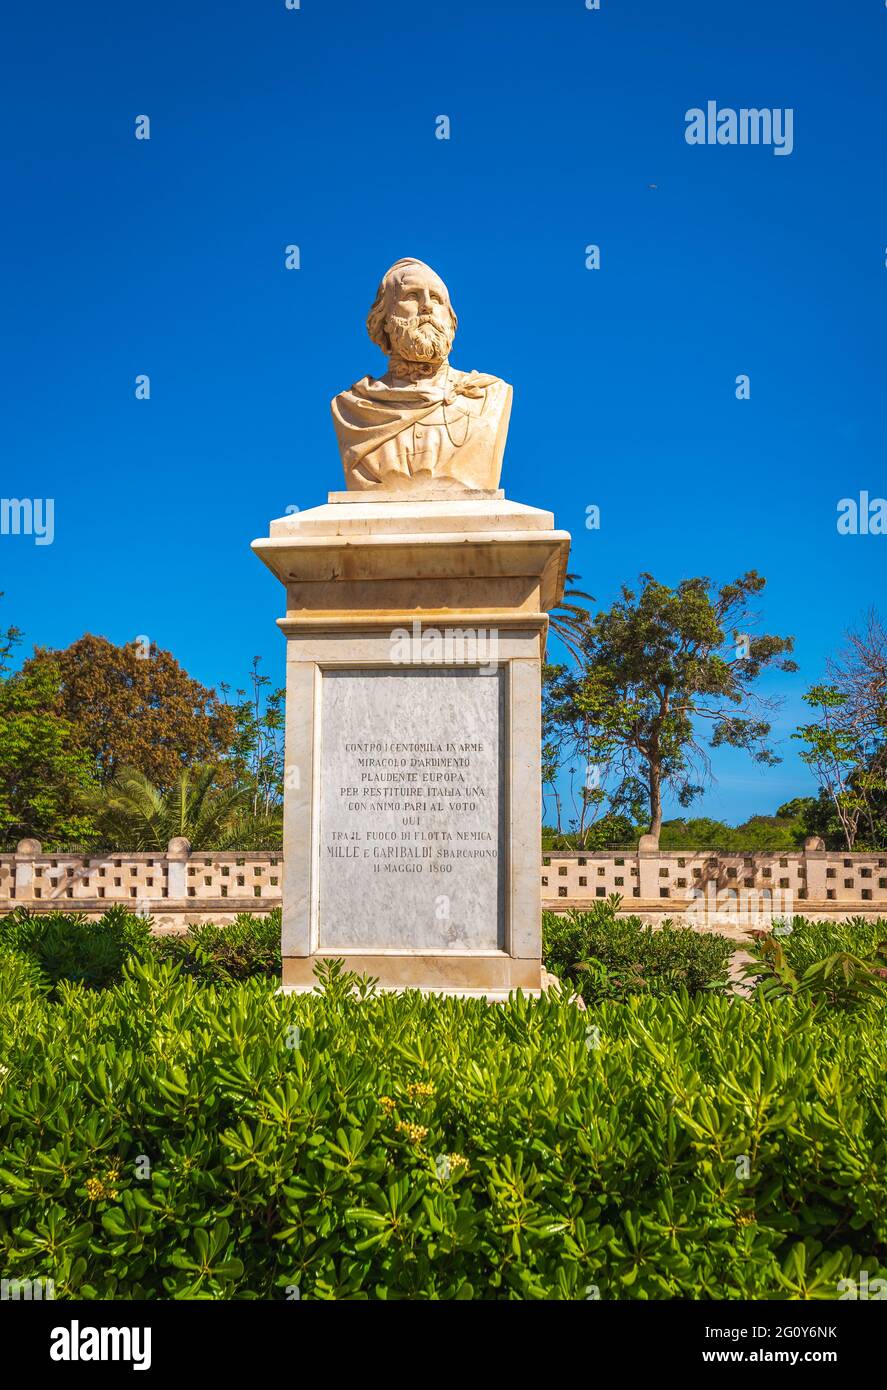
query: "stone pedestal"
415, 629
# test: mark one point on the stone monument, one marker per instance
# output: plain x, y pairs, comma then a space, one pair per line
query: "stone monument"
417, 609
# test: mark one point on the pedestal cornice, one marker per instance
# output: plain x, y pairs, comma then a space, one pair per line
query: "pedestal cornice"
358, 564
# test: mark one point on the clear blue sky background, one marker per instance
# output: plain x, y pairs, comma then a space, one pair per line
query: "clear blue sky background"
317, 127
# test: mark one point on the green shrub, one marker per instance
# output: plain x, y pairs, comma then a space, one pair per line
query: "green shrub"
166, 1139
67, 946
20, 979
838, 964
610, 957
809, 942
249, 946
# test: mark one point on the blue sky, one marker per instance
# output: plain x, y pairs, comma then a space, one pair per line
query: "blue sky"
317, 127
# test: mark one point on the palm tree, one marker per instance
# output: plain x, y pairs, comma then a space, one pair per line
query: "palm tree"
569, 620
131, 812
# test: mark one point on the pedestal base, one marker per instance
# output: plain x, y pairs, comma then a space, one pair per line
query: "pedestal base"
488, 996
470, 973
415, 636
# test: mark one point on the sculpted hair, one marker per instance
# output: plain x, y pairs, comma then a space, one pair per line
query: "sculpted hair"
379, 312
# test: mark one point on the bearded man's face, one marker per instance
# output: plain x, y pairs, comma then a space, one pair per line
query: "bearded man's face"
419, 323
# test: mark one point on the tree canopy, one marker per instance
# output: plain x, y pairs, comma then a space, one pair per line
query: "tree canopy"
44, 776
133, 706
665, 674
131, 811
846, 741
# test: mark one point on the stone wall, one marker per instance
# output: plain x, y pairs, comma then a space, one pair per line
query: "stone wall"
174, 888
184, 886
656, 884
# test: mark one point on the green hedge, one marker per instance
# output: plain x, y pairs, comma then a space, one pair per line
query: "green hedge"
247, 947
608, 957
67, 946
835, 964
809, 942
162, 1138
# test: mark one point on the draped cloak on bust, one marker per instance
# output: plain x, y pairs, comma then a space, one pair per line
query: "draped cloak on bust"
372, 414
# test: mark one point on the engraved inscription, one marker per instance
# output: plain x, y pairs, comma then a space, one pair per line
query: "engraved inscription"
411, 838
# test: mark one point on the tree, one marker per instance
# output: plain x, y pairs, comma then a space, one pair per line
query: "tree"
834, 753
560, 739
609, 832
257, 749
758, 833
44, 777
9, 640
847, 741
560, 718
134, 706
568, 620
813, 815
571, 741
131, 813
663, 664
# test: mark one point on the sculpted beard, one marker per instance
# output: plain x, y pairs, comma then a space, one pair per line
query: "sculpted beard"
418, 339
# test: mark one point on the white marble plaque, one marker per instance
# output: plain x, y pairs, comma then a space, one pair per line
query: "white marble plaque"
412, 828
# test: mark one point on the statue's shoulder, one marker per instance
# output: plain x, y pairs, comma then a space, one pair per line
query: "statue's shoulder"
472, 383
360, 388
366, 387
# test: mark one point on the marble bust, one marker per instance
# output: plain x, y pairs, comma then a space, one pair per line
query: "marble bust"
424, 423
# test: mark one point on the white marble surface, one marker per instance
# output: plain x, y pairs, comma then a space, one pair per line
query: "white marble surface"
412, 835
